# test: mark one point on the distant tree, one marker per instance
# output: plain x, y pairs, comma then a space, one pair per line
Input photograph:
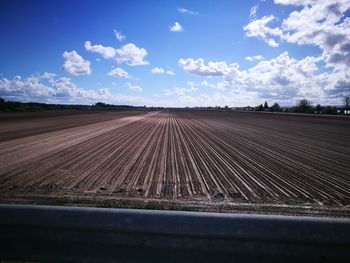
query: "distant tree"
347, 102
275, 107
330, 110
100, 104
2, 104
318, 108
304, 106
260, 107
266, 106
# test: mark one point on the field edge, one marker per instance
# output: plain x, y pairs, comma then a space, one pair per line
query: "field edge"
195, 205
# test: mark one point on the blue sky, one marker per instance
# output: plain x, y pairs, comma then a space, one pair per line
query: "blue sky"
175, 53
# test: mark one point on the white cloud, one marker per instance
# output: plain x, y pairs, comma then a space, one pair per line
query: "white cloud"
179, 91
204, 83
258, 57
318, 23
33, 89
118, 34
133, 87
75, 64
272, 43
176, 27
254, 58
169, 72
119, 72
294, 2
129, 53
158, 70
198, 67
186, 11
258, 28
282, 79
216, 99
222, 85
253, 10
106, 52
324, 25
182, 91
132, 55
62, 90
48, 75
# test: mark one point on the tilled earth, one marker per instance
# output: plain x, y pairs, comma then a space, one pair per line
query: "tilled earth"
195, 160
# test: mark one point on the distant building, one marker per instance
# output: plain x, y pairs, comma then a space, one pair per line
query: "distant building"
248, 108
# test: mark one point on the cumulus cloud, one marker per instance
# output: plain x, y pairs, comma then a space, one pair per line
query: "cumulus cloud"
198, 67
119, 36
158, 70
324, 25
132, 55
129, 53
106, 52
176, 27
187, 11
35, 89
75, 64
259, 28
318, 23
62, 90
133, 87
119, 72
283, 78
254, 58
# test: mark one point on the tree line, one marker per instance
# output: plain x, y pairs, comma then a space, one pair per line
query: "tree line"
15, 106
302, 106
306, 106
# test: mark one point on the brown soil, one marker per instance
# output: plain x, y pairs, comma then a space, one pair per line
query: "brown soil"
206, 161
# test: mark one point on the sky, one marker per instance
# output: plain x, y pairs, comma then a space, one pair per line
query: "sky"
175, 53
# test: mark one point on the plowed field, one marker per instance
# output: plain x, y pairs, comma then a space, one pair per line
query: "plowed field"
199, 160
